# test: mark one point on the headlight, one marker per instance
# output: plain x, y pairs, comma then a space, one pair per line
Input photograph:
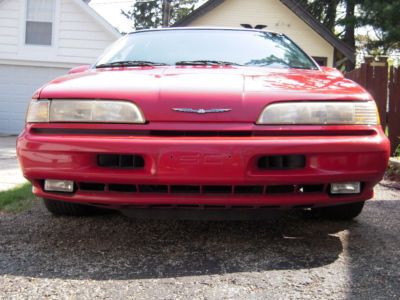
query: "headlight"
38, 111
321, 113
84, 111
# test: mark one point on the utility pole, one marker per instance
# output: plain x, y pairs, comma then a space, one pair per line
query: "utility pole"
166, 13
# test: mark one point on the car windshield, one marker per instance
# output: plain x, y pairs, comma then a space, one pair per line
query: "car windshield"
206, 47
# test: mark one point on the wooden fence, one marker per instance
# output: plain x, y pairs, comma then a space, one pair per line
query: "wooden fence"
384, 85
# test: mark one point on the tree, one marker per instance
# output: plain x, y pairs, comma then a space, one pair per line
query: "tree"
383, 17
324, 11
157, 13
349, 22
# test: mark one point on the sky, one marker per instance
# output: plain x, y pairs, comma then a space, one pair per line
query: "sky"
111, 11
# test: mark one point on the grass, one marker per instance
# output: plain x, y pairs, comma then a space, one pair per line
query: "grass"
17, 199
397, 153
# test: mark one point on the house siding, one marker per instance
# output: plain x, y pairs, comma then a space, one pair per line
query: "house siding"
79, 36
275, 15
9, 27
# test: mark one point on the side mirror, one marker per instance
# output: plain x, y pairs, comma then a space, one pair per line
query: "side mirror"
79, 69
332, 71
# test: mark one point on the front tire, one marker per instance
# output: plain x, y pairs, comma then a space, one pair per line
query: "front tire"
61, 208
342, 212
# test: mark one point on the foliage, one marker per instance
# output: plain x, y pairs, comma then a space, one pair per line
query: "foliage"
383, 16
324, 11
348, 15
150, 14
17, 199
397, 153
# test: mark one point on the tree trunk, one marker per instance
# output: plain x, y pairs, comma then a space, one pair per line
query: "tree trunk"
349, 36
330, 19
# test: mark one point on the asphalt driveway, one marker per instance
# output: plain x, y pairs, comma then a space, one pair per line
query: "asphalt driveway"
110, 256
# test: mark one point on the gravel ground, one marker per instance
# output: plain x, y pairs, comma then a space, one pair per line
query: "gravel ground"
110, 256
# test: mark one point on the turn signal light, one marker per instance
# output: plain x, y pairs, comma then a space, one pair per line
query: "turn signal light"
64, 186
346, 188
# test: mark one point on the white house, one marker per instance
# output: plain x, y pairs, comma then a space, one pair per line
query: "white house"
39, 40
283, 16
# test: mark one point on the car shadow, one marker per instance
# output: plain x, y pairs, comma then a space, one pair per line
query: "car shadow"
111, 246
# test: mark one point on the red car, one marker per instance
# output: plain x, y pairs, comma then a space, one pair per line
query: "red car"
191, 122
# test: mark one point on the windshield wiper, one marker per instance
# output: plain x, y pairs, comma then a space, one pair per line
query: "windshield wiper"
130, 63
205, 63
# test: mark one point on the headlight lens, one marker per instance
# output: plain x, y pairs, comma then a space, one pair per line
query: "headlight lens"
320, 113
38, 112
84, 111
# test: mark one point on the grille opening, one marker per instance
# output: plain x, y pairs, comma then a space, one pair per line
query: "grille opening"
207, 189
185, 189
242, 207
191, 206
214, 206
282, 162
280, 189
217, 189
153, 189
250, 189
176, 133
120, 161
158, 206
86, 186
124, 188
311, 188
125, 132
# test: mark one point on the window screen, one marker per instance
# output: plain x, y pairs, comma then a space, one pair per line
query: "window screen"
39, 22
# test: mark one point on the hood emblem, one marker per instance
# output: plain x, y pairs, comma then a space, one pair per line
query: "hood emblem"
202, 110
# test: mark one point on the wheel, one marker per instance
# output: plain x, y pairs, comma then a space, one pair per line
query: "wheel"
60, 208
339, 212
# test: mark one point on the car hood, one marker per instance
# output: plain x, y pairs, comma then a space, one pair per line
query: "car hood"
241, 92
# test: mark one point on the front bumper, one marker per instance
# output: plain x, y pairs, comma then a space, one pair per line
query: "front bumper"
204, 162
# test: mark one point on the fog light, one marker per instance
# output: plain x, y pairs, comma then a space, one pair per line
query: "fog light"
346, 188
65, 186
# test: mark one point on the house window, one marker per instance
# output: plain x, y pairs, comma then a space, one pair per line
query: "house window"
321, 61
39, 22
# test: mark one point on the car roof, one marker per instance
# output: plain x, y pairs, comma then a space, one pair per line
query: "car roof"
206, 28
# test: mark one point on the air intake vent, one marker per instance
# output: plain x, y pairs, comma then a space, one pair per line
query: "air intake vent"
146, 188
86, 186
127, 188
311, 188
217, 189
120, 161
280, 189
185, 189
282, 162
251, 190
